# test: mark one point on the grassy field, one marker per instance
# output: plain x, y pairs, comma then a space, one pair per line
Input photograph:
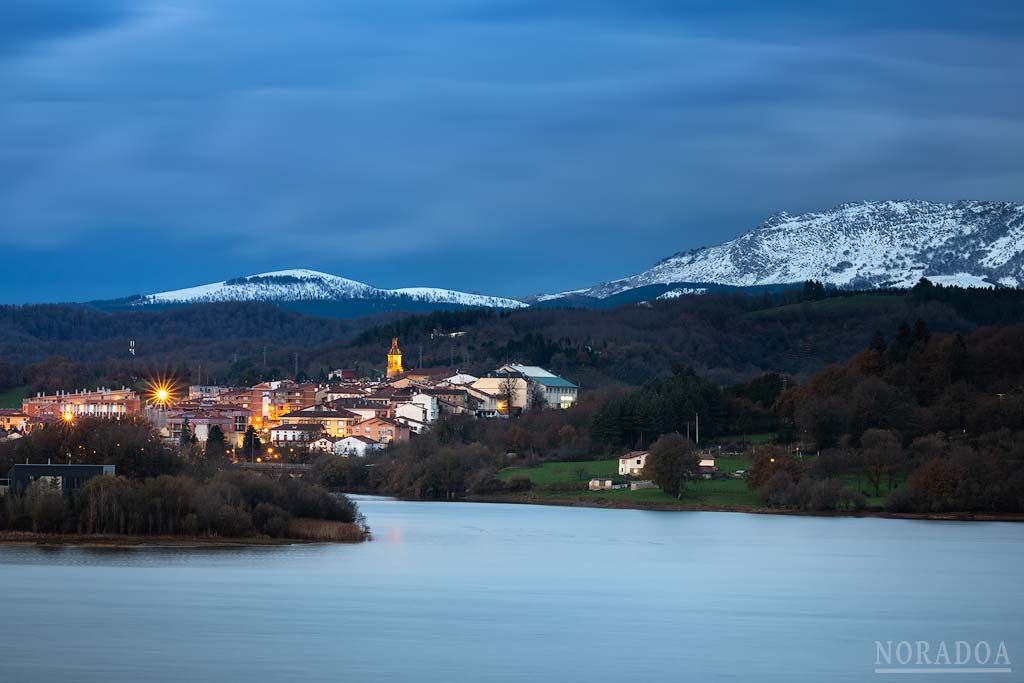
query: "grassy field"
11, 398
725, 493
564, 472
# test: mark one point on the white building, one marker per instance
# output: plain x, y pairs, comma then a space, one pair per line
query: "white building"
300, 434
355, 445
632, 464
325, 444
558, 392
460, 379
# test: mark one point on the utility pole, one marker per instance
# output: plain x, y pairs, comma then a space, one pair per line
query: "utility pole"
296, 365
697, 418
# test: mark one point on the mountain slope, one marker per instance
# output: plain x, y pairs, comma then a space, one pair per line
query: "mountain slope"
313, 286
855, 246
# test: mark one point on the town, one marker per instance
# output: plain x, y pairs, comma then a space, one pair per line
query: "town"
346, 416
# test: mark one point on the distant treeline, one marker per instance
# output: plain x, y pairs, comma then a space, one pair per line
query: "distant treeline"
726, 338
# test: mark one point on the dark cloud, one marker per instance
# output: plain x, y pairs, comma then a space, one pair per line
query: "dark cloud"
24, 23
406, 143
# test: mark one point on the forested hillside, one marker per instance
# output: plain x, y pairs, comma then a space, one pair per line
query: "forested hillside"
725, 338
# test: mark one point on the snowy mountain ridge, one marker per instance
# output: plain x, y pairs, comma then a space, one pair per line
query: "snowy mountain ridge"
859, 245
311, 285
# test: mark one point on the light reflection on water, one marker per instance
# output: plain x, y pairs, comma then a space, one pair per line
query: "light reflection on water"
500, 592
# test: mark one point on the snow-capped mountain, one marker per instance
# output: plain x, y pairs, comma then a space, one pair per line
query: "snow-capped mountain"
858, 245
310, 285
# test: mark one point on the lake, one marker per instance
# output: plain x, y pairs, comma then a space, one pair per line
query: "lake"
473, 592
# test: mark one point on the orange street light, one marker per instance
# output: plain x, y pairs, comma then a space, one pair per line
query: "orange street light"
68, 417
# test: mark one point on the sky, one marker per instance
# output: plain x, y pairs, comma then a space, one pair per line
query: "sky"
508, 147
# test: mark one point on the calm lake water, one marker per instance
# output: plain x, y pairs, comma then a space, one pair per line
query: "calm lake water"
463, 592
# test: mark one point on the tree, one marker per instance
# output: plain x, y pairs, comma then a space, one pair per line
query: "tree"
881, 455
251, 443
187, 438
537, 399
671, 462
508, 390
216, 444
45, 504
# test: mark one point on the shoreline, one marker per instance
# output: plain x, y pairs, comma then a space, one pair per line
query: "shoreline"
685, 507
129, 541
125, 541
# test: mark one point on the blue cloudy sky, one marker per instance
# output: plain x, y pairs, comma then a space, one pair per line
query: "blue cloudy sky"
506, 146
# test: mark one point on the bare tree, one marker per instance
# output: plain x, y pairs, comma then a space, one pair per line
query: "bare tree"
508, 389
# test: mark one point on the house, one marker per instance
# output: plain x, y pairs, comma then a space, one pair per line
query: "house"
298, 434
632, 463
232, 421
68, 478
382, 430
325, 444
422, 408
14, 420
361, 407
459, 379
557, 392
414, 425
420, 376
509, 393
335, 421
198, 392
356, 445
341, 374
706, 467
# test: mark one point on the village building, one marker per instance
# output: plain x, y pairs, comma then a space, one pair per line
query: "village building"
415, 426
632, 464
66, 478
14, 420
382, 430
233, 422
334, 421
198, 392
356, 445
503, 394
100, 402
341, 375
460, 379
556, 391
360, 406
325, 444
295, 435
706, 466
420, 377
394, 367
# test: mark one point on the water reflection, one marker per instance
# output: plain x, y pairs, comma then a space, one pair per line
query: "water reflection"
499, 593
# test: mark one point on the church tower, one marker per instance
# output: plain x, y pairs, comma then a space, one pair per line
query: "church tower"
395, 359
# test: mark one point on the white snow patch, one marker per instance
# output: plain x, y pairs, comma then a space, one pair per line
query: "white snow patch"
683, 291
307, 285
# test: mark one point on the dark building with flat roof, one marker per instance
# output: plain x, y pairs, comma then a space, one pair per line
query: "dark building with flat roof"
67, 477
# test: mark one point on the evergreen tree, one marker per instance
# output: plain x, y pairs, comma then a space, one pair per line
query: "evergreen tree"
187, 438
216, 444
251, 444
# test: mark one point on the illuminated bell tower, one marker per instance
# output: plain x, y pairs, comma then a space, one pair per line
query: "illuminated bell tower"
395, 359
